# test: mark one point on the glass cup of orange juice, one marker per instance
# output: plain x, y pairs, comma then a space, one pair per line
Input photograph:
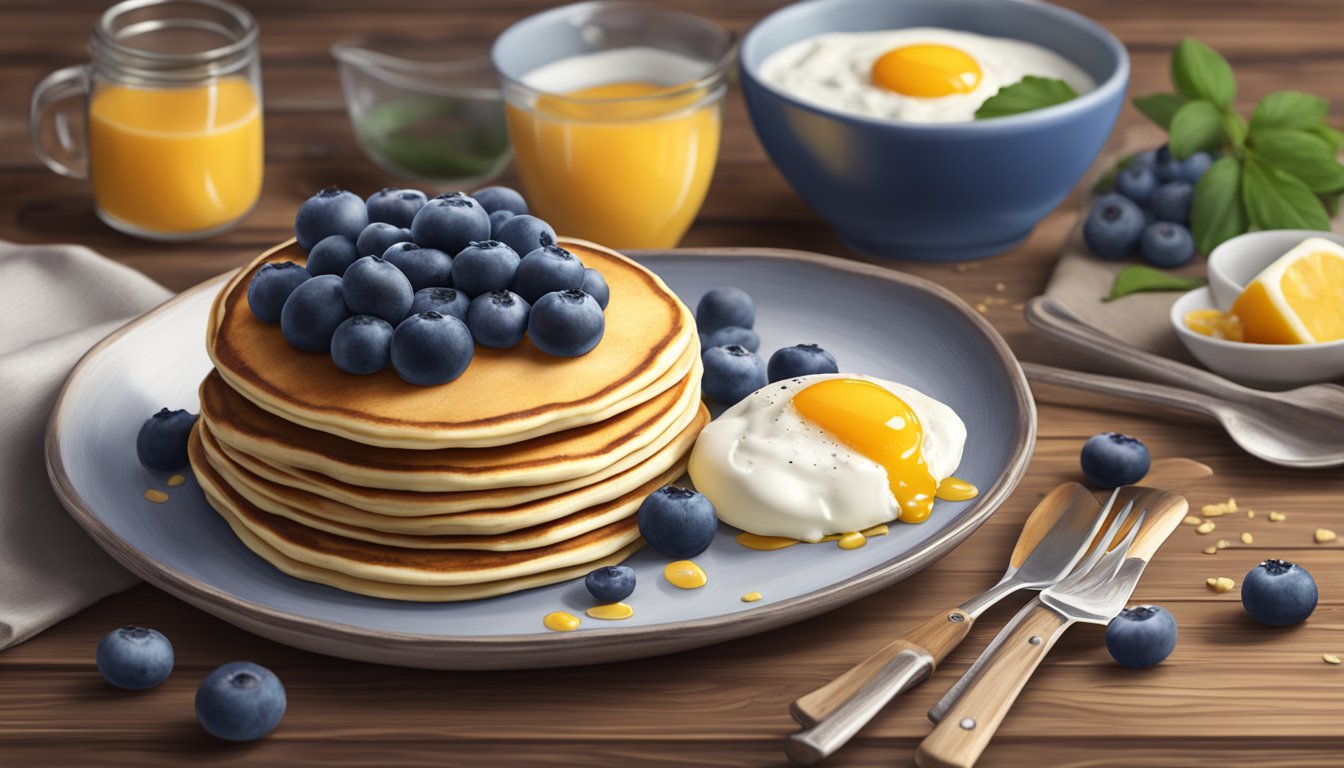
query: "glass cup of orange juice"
615, 110
165, 120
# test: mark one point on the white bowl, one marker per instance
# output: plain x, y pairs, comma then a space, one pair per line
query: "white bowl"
1237, 261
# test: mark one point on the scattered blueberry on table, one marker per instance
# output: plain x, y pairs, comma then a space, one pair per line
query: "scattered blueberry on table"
1142, 636
240, 701
1113, 226
1137, 182
611, 583
1167, 245
1110, 460
1149, 210
134, 658
724, 307
677, 522
1171, 202
161, 443
724, 337
731, 373
1278, 593
566, 323
800, 360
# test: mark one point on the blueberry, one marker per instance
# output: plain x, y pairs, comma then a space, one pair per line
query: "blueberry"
378, 237
731, 373
445, 301
1110, 460
1194, 166
677, 522
162, 441
450, 222
525, 234
240, 701
1171, 202
1144, 159
566, 323
270, 287
1166, 245
312, 312
743, 337
333, 211
610, 584
431, 348
1278, 593
424, 267
484, 266
1113, 226
362, 345
497, 220
722, 307
545, 270
595, 285
373, 286
1166, 167
1137, 183
134, 658
500, 199
1141, 637
395, 206
498, 319
800, 360
332, 256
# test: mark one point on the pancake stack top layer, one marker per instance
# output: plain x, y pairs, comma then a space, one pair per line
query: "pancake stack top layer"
526, 470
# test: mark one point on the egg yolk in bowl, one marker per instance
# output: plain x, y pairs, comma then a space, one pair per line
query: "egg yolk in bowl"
927, 71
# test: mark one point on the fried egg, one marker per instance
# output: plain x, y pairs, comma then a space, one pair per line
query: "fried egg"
824, 454
920, 74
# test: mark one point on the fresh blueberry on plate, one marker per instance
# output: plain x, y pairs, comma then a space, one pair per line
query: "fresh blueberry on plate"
484, 266
566, 323
1195, 166
1171, 202
545, 270
431, 348
744, 337
724, 307
270, 287
161, 443
333, 211
1277, 593
449, 223
1166, 245
1166, 167
731, 373
395, 206
1137, 183
1113, 226
1142, 636
1146, 159
134, 658
373, 286
445, 301
1110, 460
424, 267
525, 234
240, 701
362, 345
595, 285
332, 256
677, 522
378, 237
494, 199
498, 319
610, 583
800, 360
497, 220
312, 312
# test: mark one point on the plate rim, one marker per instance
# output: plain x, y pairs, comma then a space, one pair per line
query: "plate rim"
556, 648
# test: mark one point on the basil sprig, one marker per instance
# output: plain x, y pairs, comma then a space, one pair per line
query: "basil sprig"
1026, 95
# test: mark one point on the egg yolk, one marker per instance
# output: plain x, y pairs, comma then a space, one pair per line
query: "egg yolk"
927, 71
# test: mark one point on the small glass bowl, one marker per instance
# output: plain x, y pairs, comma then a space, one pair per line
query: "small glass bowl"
422, 118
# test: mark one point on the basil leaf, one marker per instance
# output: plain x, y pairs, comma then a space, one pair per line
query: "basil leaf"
1199, 72
1291, 110
1026, 95
1196, 127
1304, 155
1217, 213
1277, 200
1331, 136
1159, 107
1331, 203
1234, 127
1139, 279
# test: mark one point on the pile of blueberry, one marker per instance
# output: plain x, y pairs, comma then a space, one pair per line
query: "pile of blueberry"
729, 347
1149, 211
413, 283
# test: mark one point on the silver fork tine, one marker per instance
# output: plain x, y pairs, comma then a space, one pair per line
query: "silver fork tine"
1099, 550
1114, 558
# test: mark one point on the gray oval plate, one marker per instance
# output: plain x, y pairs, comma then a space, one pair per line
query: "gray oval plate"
874, 320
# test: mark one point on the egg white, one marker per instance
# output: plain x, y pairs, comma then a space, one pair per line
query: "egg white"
770, 471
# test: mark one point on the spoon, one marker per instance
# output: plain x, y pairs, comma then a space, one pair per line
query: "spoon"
1302, 427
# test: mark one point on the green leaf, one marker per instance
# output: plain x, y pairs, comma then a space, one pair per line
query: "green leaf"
1196, 127
1218, 213
1234, 128
1159, 107
1289, 110
1331, 203
1139, 279
1331, 136
1026, 95
1302, 154
1199, 72
1276, 199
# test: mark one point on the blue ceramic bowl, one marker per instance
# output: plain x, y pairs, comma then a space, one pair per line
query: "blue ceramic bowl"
941, 191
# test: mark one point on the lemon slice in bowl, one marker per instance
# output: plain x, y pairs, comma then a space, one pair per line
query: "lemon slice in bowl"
1299, 299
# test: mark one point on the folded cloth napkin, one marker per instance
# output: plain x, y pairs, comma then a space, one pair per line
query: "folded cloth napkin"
58, 301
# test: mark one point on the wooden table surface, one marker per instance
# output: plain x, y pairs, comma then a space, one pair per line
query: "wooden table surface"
1233, 693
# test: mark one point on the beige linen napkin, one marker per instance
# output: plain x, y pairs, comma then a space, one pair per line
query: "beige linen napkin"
57, 301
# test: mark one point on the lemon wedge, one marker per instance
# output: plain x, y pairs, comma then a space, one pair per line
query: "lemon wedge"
1299, 299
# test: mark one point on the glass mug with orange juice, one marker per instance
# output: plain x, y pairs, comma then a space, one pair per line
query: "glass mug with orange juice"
615, 111
171, 110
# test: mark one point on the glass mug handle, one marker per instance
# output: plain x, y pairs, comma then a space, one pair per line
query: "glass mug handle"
59, 129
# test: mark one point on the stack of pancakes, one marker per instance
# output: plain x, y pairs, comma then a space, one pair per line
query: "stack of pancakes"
527, 470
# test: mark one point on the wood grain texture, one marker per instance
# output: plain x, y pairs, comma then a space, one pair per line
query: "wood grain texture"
1232, 694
